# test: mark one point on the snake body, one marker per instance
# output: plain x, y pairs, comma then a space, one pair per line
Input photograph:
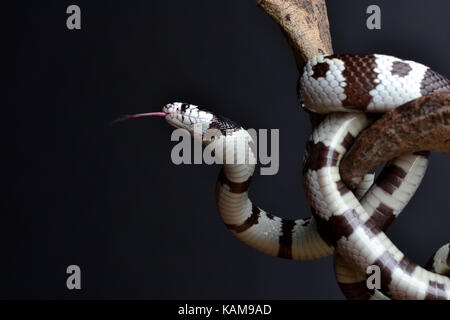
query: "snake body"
369, 83
346, 87
373, 83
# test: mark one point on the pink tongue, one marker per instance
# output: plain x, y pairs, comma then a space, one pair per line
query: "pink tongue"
140, 115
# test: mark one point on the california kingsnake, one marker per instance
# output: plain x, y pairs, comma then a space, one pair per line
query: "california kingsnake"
343, 85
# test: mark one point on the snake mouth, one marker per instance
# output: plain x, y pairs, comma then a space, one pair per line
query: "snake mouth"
179, 115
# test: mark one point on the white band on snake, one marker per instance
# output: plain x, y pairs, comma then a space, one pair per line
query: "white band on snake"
346, 87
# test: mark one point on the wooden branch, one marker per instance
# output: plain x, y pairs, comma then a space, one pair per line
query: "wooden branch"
305, 25
422, 124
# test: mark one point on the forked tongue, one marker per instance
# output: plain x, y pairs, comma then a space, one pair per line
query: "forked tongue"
140, 115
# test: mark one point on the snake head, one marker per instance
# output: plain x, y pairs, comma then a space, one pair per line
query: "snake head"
188, 116
197, 121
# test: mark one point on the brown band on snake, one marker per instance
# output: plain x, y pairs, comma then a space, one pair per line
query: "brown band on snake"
400, 68
235, 187
224, 125
424, 154
358, 67
337, 226
320, 70
372, 229
348, 141
320, 156
251, 221
285, 239
406, 265
323, 228
433, 82
342, 187
383, 216
435, 291
387, 265
391, 178
356, 290
359, 290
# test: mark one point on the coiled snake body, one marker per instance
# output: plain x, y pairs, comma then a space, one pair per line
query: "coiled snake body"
348, 223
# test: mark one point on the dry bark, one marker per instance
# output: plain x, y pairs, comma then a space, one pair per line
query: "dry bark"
422, 124
305, 25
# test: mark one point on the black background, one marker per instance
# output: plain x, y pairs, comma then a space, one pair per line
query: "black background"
77, 191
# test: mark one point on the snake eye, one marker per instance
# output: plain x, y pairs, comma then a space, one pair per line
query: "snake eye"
184, 106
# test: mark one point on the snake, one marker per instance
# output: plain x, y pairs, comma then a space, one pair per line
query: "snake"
348, 89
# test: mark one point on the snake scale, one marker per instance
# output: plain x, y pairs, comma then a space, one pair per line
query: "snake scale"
348, 88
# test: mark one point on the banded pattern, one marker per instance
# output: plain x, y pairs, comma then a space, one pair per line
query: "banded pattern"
266, 232
372, 83
344, 222
333, 83
402, 176
365, 184
292, 239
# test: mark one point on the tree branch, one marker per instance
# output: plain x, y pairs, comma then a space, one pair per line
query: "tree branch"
305, 25
422, 124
